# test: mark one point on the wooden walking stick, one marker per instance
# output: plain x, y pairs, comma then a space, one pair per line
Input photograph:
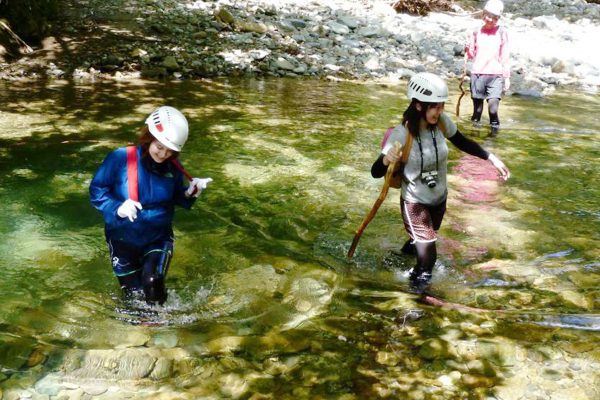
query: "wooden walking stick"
460, 87
384, 190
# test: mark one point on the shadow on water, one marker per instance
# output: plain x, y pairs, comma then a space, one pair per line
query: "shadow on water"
262, 298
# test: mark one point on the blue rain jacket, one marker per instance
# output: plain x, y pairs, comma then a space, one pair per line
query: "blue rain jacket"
157, 193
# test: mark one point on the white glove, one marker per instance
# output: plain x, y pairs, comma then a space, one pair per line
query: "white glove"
496, 162
196, 186
129, 209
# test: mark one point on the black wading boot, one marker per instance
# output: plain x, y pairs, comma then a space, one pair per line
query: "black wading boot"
419, 281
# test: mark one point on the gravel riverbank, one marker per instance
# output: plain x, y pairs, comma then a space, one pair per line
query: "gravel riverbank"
551, 42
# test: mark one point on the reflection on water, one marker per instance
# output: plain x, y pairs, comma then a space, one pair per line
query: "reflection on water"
262, 298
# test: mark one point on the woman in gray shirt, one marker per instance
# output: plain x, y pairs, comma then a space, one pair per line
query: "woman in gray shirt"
424, 188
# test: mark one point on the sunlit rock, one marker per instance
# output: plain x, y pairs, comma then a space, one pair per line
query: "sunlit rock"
233, 385
137, 52
135, 338
225, 16
162, 369
576, 298
475, 381
226, 344
387, 358
273, 366
25, 173
125, 364
73, 394
48, 385
577, 347
571, 393
284, 64
165, 340
251, 26
445, 380
498, 351
584, 280
481, 367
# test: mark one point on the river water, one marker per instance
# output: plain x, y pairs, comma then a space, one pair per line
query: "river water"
263, 302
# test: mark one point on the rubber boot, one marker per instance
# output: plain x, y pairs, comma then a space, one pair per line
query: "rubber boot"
156, 266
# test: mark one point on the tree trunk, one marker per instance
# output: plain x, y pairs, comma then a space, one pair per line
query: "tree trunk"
10, 43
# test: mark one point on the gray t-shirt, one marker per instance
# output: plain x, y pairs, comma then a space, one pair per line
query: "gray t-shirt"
413, 189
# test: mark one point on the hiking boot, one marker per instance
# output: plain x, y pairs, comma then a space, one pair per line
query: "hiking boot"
494, 131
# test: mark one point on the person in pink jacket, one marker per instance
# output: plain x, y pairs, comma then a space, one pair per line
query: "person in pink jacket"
490, 71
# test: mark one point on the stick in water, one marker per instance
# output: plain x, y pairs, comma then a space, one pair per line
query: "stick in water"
378, 202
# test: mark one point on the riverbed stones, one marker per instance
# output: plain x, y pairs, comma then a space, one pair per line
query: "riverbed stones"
431, 42
436, 348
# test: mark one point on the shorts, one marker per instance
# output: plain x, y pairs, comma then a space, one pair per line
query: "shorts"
127, 259
422, 221
486, 86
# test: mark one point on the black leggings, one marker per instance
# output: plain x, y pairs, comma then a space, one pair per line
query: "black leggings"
142, 268
493, 106
426, 256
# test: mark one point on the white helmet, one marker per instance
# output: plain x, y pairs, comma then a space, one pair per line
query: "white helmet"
168, 126
428, 88
494, 7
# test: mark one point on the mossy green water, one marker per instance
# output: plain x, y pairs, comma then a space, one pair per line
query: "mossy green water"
261, 292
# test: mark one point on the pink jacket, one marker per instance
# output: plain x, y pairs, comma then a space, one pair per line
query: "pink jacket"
490, 52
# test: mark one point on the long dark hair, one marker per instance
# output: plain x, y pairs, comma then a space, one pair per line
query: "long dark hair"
146, 138
411, 118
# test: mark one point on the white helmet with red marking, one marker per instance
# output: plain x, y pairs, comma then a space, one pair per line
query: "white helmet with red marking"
168, 126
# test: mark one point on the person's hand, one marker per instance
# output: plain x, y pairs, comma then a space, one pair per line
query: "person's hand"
496, 162
506, 84
129, 209
393, 155
197, 185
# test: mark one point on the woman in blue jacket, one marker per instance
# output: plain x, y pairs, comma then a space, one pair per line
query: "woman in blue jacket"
138, 220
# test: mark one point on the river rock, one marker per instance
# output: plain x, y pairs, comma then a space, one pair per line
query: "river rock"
474, 381
284, 64
433, 349
162, 369
170, 63
123, 364
338, 28
48, 385
233, 385
226, 344
225, 16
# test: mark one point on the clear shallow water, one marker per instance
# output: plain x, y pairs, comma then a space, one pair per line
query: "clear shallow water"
260, 270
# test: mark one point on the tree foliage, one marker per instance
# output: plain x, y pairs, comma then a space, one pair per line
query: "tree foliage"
31, 19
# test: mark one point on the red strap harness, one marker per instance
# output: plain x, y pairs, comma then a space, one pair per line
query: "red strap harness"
132, 172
